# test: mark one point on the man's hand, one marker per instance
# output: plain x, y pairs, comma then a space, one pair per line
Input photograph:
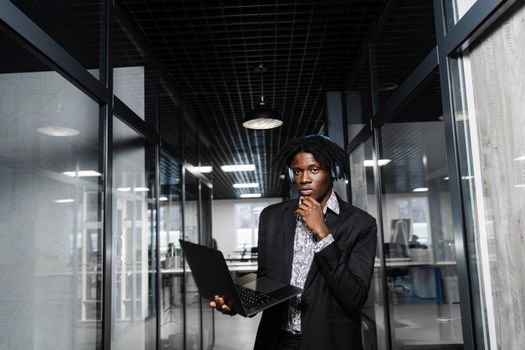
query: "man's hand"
219, 304
311, 212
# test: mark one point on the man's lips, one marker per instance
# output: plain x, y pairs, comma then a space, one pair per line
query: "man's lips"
306, 191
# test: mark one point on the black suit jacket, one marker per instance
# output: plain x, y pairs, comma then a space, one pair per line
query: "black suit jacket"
337, 283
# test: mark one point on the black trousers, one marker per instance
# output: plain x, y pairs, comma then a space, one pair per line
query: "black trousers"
288, 341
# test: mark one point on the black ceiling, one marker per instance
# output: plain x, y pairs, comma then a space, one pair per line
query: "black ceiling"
211, 50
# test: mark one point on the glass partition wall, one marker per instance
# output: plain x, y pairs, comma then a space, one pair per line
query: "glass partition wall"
364, 196
86, 201
419, 247
448, 160
208, 329
487, 91
192, 299
50, 207
171, 263
134, 240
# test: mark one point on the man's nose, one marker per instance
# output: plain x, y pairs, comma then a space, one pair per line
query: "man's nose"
305, 177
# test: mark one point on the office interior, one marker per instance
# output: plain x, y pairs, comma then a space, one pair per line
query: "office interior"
116, 117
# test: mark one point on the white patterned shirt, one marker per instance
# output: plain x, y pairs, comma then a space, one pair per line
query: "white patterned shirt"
304, 247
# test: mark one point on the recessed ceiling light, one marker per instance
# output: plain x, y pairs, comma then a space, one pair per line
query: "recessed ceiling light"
388, 86
420, 189
204, 169
82, 173
520, 158
246, 185
163, 199
64, 200
465, 177
250, 195
124, 189
58, 131
239, 167
282, 176
380, 162
520, 186
141, 189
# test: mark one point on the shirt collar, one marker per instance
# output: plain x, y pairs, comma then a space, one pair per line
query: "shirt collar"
332, 204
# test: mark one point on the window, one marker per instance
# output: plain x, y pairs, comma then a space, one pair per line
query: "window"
247, 224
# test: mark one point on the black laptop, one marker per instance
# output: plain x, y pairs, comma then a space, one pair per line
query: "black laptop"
247, 295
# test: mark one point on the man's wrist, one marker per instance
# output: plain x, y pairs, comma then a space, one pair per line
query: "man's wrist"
323, 243
321, 235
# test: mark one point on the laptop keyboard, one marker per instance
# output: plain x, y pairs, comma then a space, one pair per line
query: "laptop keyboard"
250, 297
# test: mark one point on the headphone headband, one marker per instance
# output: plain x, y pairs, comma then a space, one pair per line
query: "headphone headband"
323, 136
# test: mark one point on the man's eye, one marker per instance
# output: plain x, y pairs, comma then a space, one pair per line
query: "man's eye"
314, 170
296, 172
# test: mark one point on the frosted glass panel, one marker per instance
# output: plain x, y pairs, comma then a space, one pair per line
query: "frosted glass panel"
488, 101
50, 212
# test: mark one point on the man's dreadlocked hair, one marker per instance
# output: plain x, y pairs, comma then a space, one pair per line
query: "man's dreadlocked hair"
324, 150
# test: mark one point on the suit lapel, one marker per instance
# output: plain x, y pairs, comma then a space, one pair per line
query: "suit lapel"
288, 234
332, 222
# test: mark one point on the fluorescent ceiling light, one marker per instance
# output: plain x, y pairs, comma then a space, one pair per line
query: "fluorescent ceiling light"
520, 186
65, 200
420, 189
520, 158
250, 195
58, 131
163, 199
239, 167
466, 177
82, 173
124, 189
246, 185
380, 162
201, 169
141, 189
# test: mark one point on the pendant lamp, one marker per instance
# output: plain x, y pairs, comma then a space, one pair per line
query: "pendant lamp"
262, 117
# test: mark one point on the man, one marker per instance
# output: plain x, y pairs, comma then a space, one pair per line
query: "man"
319, 243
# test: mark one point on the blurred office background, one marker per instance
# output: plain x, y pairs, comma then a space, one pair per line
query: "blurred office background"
117, 118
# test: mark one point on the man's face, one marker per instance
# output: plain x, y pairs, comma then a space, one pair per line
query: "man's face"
310, 178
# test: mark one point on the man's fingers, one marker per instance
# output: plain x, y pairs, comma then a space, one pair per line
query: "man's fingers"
311, 202
226, 309
219, 304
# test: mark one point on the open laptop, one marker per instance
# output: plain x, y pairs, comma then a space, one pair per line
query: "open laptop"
247, 295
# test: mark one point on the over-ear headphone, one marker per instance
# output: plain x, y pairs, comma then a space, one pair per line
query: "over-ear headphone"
335, 170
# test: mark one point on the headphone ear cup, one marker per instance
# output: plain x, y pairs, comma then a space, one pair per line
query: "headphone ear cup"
290, 175
336, 173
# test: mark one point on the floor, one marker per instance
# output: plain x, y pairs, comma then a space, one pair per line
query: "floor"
235, 332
